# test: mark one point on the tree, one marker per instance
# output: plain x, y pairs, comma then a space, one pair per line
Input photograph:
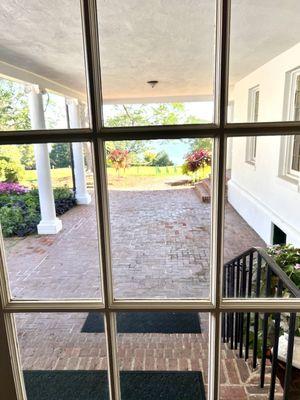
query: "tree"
201, 143
161, 159
11, 169
60, 156
150, 114
27, 156
14, 111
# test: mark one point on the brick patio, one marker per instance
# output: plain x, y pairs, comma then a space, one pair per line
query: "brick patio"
160, 248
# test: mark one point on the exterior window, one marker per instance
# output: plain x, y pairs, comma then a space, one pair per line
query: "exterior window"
290, 145
295, 159
252, 117
295, 154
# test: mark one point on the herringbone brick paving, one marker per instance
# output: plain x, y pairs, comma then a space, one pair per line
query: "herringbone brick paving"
160, 248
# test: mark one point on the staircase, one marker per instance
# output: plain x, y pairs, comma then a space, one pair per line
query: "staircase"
203, 189
255, 274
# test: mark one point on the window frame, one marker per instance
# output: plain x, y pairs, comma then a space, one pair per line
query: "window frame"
220, 130
251, 142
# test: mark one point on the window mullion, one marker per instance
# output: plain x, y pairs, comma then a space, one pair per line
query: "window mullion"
222, 53
91, 42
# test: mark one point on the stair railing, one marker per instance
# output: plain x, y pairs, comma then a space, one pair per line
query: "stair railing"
255, 274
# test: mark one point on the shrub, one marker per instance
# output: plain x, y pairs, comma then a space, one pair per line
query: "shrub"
20, 208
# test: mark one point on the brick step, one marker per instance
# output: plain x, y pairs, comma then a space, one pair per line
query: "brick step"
203, 190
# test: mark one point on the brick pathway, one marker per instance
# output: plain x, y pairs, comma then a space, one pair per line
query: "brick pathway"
160, 248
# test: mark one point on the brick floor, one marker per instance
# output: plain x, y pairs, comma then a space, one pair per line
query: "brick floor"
160, 248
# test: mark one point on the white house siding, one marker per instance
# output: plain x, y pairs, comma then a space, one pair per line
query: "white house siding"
257, 192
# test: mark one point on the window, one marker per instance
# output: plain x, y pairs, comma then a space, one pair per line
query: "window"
290, 145
95, 305
253, 107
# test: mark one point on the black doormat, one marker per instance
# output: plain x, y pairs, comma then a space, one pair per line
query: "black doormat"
92, 385
147, 322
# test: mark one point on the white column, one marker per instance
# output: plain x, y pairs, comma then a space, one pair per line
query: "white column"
49, 223
81, 194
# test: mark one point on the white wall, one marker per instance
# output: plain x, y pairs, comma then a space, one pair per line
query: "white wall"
257, 192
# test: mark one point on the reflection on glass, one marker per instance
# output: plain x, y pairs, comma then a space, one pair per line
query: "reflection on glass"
48, 220
163, 354
262, 230
159, 204
157, 57
264, 54
63, 355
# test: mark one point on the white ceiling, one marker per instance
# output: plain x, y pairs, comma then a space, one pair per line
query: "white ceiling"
171, 41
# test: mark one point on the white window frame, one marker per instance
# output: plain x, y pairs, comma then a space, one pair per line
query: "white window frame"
220, 130
287, 142
251, 142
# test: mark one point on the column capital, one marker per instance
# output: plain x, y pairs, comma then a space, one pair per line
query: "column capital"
72, 101
37, 89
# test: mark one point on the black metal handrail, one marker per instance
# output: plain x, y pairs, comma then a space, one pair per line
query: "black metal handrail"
254, 273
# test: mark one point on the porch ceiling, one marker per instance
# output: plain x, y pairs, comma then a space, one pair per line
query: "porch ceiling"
168, 41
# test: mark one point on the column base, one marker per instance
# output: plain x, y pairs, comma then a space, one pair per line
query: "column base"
49, 227
84, 198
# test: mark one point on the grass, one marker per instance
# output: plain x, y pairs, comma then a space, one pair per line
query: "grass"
137, 176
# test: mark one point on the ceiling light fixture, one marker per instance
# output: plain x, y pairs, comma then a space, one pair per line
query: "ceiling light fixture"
152, 83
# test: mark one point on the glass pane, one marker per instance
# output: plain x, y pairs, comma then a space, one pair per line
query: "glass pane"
157, 61
163, 355
264, 54
160, 209
61, 357
42, 63
262, 211
48, 219
255, 356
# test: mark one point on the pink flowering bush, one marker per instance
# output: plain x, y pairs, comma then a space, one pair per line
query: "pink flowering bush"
198, 159
12, 188
119, 159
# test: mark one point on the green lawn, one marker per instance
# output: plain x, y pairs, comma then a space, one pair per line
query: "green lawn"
131, 177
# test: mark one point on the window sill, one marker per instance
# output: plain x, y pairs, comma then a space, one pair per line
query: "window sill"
251, 164
289, 181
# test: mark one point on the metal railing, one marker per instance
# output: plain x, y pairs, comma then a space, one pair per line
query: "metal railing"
255, 274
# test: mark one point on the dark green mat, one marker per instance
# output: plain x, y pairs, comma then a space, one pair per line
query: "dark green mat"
92, 385
147, 322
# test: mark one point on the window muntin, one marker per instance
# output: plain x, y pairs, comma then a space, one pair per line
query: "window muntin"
213, 308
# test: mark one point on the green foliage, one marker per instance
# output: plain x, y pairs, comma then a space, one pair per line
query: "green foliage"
60, 156
288, 258
150, 114
14, 112
11, 169
27, 156
201, 143
20, 214
161, 159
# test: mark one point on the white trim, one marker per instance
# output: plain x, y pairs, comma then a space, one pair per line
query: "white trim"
273, 216
287, 142
251, 142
